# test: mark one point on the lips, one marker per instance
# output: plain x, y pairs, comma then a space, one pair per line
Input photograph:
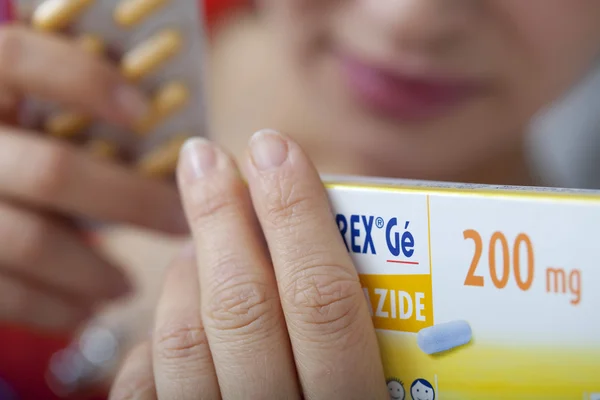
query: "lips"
403, 96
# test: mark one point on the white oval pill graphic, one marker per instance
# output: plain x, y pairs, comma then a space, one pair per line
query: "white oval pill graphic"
445, 336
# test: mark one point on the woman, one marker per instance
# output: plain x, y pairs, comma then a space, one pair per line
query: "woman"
415, 88
423, 89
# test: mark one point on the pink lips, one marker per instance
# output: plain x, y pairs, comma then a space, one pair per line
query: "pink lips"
401, 96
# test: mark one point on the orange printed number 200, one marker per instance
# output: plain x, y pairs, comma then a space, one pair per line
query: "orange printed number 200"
500, 274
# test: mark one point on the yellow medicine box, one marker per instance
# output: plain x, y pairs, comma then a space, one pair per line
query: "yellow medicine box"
477, 292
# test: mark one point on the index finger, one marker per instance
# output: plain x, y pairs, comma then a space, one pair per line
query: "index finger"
54, 175
329, 324
50, 67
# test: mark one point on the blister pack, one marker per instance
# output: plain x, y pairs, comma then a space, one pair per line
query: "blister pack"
159, 46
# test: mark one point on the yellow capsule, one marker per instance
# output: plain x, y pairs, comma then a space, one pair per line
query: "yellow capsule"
131, 12
66, 124
148, 56
169, 99
162, 161
54, 15
91, 44
102, 148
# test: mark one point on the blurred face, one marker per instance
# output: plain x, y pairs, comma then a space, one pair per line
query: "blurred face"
430, 88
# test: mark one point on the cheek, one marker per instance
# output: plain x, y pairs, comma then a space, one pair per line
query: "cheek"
293, 11
556, 41
296, 19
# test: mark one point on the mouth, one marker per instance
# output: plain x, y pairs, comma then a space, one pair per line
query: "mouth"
404, 96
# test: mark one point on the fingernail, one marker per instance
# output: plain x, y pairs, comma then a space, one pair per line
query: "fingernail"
131, 102
198, 157
268, 149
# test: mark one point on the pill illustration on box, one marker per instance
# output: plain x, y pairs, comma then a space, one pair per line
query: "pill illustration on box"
444, 337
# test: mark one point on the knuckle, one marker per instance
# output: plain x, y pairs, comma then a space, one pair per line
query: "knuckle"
11, 48
181, 339
323, 300
214, 198
242, 303
287, 202
51, 174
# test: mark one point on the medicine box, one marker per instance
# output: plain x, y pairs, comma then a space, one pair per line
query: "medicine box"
477, 292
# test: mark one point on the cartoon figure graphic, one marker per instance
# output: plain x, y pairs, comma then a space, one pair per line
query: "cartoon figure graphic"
421, 389
396, 389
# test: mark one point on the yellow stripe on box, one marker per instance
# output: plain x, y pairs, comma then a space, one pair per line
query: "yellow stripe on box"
515, 371
400, 303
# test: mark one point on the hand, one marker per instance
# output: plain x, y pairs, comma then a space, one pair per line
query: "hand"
265, 303
49, 277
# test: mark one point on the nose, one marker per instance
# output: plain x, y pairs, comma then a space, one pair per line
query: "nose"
431, 24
